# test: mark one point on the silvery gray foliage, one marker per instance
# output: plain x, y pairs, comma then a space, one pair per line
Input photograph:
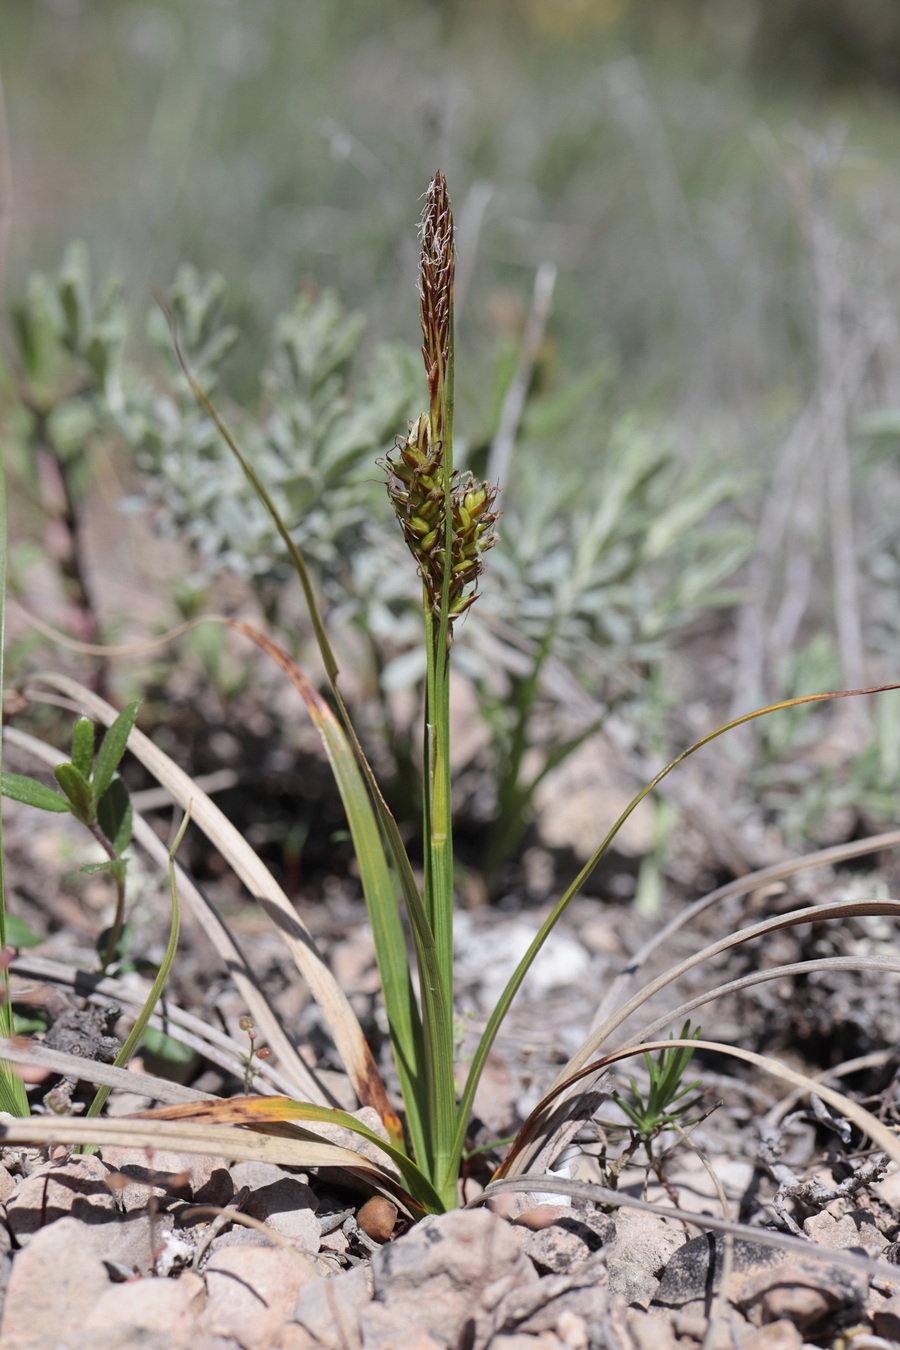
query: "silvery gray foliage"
313, 442
609, 566
596, 571
596, 566
61, 316
68, 342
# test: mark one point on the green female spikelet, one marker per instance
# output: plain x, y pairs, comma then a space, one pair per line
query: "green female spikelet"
435, 505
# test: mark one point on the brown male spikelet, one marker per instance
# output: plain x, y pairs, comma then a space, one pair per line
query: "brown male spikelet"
420, 484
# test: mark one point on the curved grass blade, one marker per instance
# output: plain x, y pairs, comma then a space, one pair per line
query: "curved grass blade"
502, 1007
215, 1141
299, 1078
260, 1111
437, 996
788, 867
874, 963
380, 893
333, 1002
812, 914
881, 1136
133, 1039
551, 1128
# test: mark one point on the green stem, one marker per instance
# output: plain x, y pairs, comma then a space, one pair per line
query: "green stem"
437, 798
159, 984
118, 922
513, 798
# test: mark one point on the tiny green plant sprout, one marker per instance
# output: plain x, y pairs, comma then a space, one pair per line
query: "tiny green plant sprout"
412, 1149
668, 1099
93, 792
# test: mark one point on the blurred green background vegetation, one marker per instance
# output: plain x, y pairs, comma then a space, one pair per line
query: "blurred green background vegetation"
715, 183
281, 143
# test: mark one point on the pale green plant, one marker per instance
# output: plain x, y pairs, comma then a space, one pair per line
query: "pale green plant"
601, 585
93, 792
66, 366
448, 523
312, 441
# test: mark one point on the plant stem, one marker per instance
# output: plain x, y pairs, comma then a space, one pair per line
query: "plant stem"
437, 328
118, 922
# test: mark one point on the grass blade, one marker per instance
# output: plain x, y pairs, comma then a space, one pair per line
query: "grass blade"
570, 1073
502, 1007
133, 1039
215, 1141
333, 1002
20, 1051
436, 995
277, 1110
881, 1136
379, 889
299, 1078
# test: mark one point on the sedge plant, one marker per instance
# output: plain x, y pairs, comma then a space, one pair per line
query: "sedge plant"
412, 1150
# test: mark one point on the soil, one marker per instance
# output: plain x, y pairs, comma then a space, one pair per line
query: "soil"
117, 1249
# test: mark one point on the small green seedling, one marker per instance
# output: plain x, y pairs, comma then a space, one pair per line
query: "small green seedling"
667, 1105
664, 1104
93, 792
447, 521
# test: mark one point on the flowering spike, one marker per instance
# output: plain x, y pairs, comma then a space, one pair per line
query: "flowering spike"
437, 270
422, 484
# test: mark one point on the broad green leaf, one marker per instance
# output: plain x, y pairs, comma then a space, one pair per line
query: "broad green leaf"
30, 792
115, 865
167, 1047
78, 791
18, 934
114, 815
112, 748
124, 944
83, 746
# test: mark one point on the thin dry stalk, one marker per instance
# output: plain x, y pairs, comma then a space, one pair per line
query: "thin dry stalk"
333, 1002
592, 1194
299, 1078
106, 1075
754, 881
834, 411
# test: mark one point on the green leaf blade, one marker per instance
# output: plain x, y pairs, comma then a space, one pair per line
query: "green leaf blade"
30, 792
18, 934
83, 746
112, 748
78, 791
114, 815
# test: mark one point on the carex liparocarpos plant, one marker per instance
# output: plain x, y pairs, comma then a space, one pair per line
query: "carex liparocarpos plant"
448, 522
447, 518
